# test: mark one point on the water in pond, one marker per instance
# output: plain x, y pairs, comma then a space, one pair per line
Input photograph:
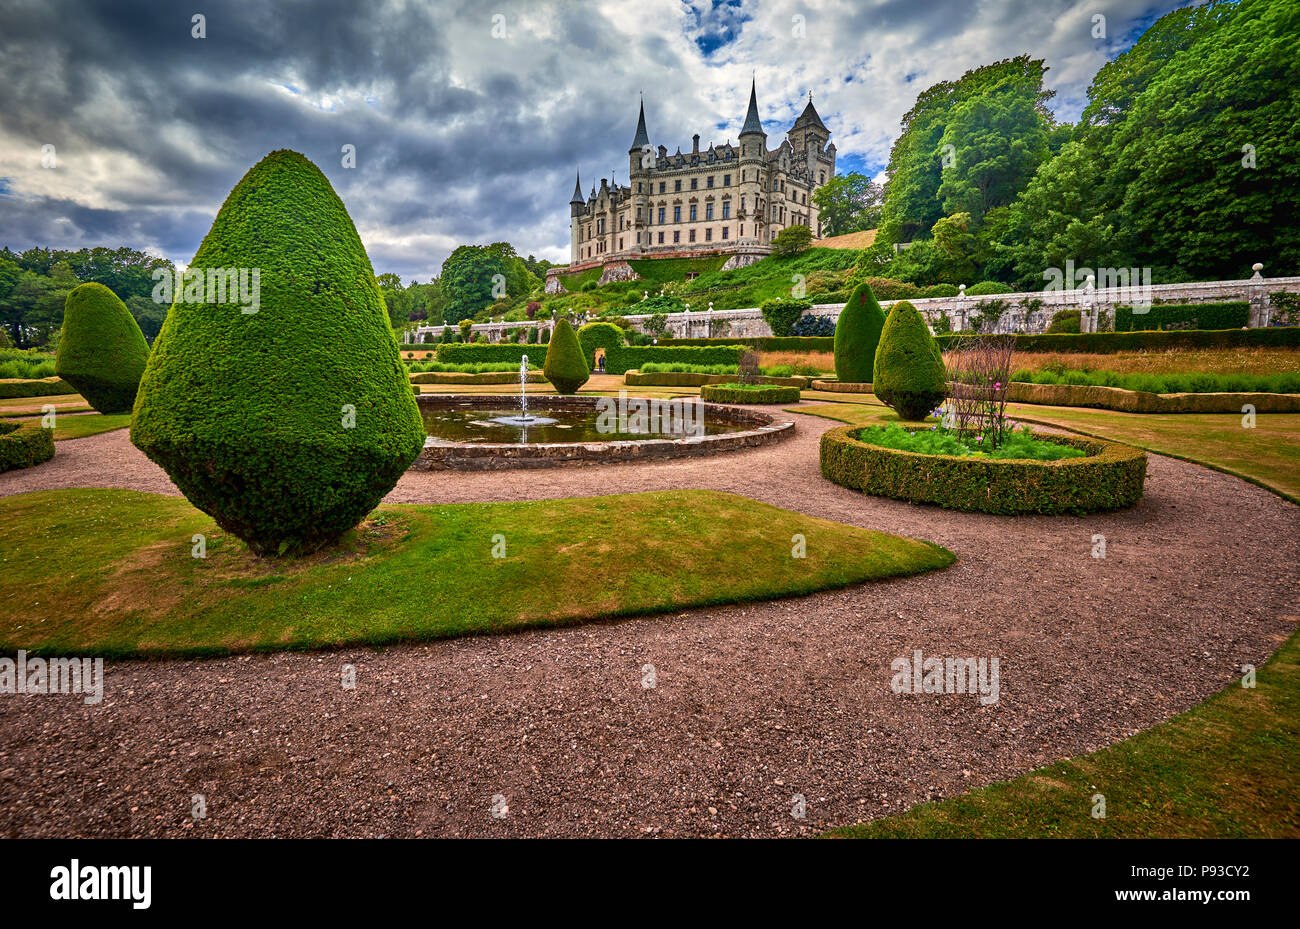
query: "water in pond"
496, 426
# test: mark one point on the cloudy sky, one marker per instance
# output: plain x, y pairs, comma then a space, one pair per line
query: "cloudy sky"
469, 118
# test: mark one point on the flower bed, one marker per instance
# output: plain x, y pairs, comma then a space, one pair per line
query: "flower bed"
1109, 476
749, 393
24, 444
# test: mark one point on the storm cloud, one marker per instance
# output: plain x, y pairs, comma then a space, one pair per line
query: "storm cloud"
469, 120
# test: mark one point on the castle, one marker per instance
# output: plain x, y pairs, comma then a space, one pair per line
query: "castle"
724, 199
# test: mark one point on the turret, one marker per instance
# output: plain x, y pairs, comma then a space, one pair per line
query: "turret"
640, 152
753, 161
576, 202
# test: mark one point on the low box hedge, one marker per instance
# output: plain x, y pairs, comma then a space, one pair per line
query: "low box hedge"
841, 387
24, 444
461, 353
761, 393
691, 379
46, 387
1141, 401
487, 377
619, 359
1110, 477
765, 343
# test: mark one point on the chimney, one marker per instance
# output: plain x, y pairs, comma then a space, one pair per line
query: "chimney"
695, 144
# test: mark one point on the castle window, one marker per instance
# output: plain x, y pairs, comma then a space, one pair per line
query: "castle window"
692, 235
677, 212
726, 209
724, 231
726, 180
638, 214
693, 216
661, 216
709, 182
774, 183
677, 186
663, 186
708, 211
661, 238
821, 177
708, 234
620, 243
740, 230
695, 183
677, 236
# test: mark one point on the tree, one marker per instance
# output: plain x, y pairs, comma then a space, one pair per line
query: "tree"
909, 375
790, 241
102, 351
287, 425
857, 335
848, 203
565, 366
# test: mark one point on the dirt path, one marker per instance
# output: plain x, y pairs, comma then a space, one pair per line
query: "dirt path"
752, 705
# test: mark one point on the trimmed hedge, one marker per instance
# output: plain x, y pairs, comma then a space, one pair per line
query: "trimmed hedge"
287, 425
1205, 315
838, 387
49, 387
619, 359
487, 377
734, 393
1141, 401
600, 335
763, 343
24, 444
102, 351
692, 379
565, 367
1104, 343
781, 314
857, 335
1110, 477
464, 353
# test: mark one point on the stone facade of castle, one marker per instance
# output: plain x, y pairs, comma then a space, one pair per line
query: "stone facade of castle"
723, 199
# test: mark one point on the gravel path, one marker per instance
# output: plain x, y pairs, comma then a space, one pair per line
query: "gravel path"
752, 705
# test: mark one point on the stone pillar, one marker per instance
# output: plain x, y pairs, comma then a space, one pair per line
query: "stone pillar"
1259, 308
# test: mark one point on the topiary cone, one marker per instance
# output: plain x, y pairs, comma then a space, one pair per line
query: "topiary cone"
289, 424
102, 351
565, 366
909, 372
857, 334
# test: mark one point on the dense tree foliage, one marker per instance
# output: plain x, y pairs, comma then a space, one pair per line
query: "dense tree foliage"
848, 203
475, 277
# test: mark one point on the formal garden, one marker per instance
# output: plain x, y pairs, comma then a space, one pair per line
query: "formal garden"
255, 486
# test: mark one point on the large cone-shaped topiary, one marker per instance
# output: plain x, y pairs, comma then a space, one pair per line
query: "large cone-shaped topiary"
909, 372
857, 333
102, 351
287, 424
565, 368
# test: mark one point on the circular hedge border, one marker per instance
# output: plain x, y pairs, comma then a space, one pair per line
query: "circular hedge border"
24, 444
842, 387
764, 393
1110, 477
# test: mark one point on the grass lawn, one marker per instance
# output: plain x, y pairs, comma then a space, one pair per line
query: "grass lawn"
1171, 361
1224, 769
34, 406
126, 582
1268, 455
78, 427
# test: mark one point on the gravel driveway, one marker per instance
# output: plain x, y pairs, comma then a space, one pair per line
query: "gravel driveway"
752, 705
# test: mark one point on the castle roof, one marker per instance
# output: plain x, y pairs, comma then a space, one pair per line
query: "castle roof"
809, 117
577, 190
752, 123
642, 137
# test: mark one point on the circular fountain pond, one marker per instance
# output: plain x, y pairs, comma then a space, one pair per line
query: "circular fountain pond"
480, 433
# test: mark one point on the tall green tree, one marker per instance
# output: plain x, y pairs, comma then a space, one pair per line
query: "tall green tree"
848, 203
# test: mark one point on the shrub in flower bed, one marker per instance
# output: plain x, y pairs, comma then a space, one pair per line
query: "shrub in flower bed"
1109, 476
24, 444
749, 393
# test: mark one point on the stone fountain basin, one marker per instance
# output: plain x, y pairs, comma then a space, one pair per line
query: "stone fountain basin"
437, 455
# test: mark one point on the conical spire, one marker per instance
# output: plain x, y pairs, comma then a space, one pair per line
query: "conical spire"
809, 117
752, 123
642, 137
577, 189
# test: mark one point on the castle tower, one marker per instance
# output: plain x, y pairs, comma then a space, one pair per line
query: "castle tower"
753, 173
576, 208
808, 137
640, 159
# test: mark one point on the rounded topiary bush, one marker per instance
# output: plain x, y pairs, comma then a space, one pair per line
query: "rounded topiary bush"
289, 424
102, 351
909, 373
857, 333
24, 444
565, 366
594, 336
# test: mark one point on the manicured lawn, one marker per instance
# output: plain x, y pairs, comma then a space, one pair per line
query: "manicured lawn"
1172, 361
1225, 769
34, 406
1268, 455
80, 426
123, 580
